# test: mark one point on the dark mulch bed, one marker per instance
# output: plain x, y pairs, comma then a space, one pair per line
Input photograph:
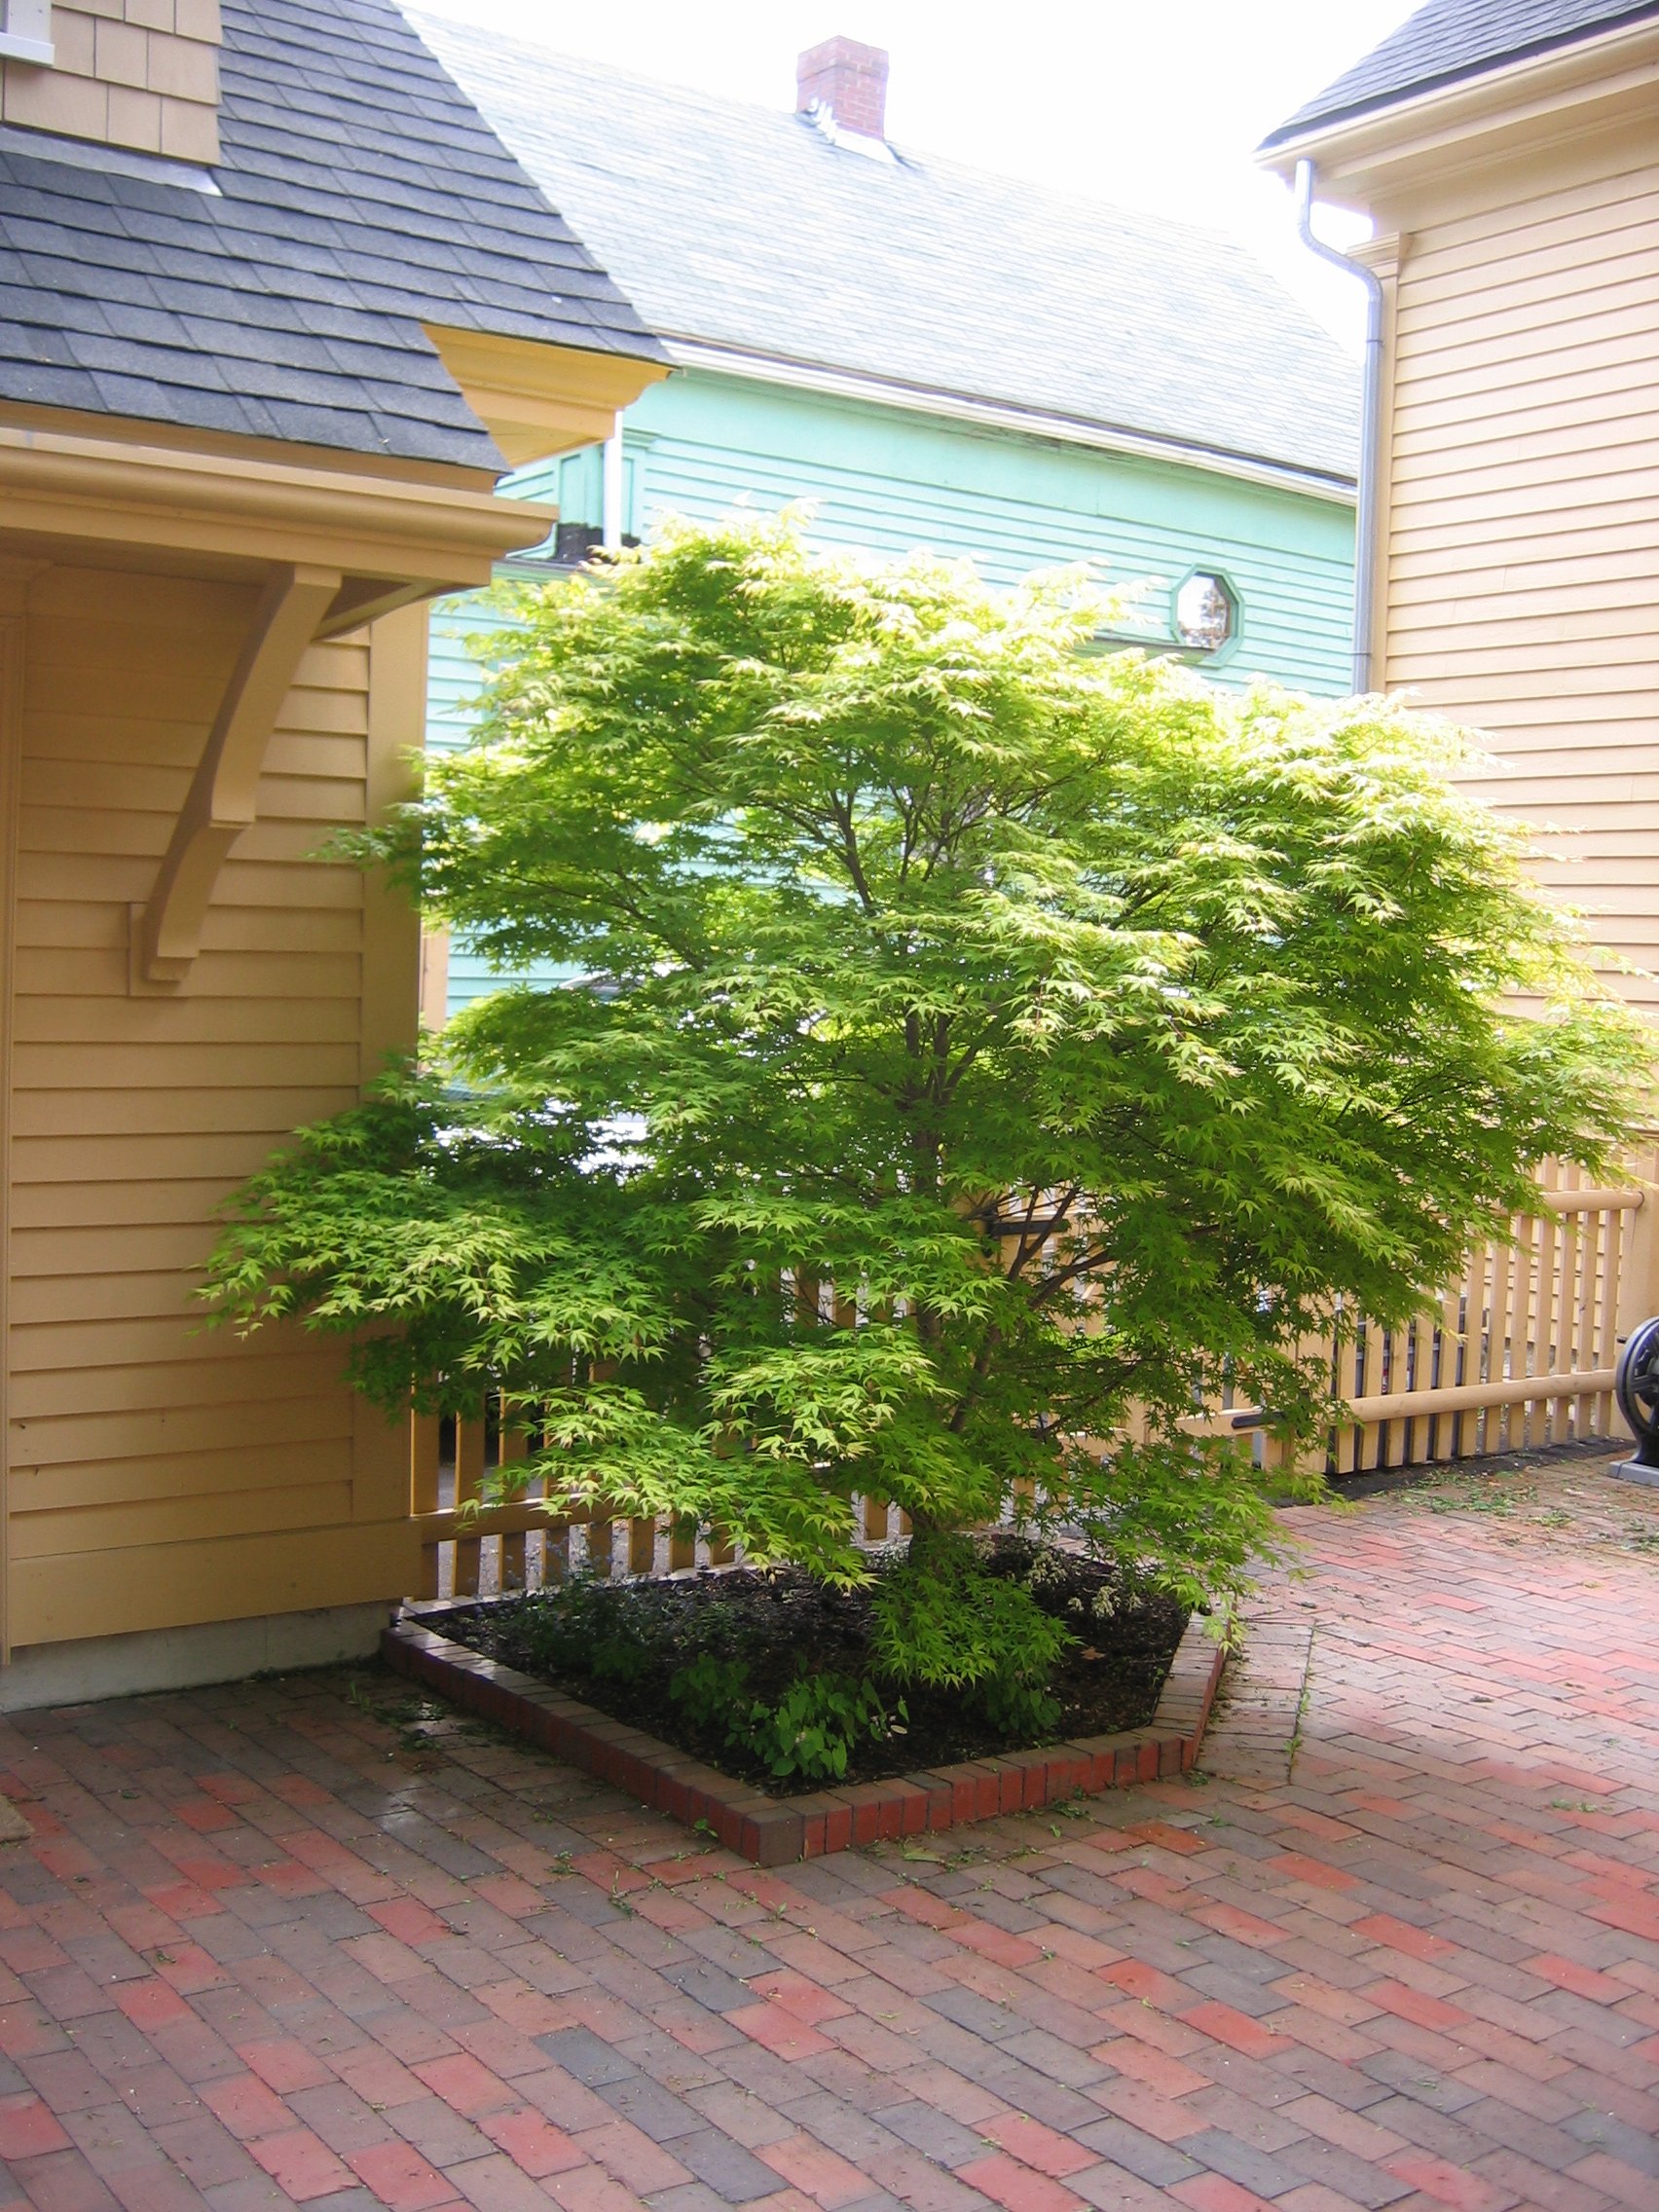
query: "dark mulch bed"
782, 1624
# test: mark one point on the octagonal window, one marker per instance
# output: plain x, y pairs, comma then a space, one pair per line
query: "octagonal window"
1206, 611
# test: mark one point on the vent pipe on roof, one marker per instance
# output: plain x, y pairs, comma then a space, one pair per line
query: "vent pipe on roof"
847, 80
1370, 419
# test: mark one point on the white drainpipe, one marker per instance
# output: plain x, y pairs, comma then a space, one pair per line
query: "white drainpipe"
611, 513
1371, 413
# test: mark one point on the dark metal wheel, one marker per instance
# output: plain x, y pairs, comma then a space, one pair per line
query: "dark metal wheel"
1635, 1386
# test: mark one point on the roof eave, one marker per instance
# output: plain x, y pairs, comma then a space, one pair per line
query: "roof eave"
1001, 414
1571, 88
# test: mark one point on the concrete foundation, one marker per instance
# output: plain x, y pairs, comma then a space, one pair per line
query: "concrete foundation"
183, 1658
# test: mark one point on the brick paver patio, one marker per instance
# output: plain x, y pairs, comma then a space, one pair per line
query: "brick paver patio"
309, 1940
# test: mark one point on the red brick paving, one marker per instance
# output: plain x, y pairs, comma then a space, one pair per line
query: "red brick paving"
286, 1943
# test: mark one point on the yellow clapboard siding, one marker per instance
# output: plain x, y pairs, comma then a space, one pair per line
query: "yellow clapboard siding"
162, 1474
69, 1248
1552, 678
318, 713
65, 925
135, 1066
1588, 207
99, 1209
52, 877
187, 1021
149, 1293
284, 794
1545, 755
95, 973
1617, 272
1569, 619
1592, 874
1631, 901
312, 753
1574, 404
79, 1486
159, 1386
1498, 715
137, 737
1621, 313
112, 599
184, 1109
286, 1417
1617, 524
127, 1337
227, 1578
91, 1160
296, 1504
137, 832
1518, 504
1599, 452
83, 688
1588, 663
315, 801
1596, 582
1518, 377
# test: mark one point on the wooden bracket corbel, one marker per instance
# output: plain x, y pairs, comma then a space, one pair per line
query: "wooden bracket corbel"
222, 803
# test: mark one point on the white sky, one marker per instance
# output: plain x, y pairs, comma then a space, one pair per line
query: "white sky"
1152, 103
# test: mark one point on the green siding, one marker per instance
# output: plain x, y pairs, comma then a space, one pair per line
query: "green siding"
700, 445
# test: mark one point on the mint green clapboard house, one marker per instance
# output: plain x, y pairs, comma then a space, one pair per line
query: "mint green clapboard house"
934, 357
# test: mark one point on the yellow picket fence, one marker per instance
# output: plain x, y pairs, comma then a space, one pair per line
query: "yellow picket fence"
1519, 1353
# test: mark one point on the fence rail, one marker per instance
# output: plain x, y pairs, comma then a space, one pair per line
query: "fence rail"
1519, 1353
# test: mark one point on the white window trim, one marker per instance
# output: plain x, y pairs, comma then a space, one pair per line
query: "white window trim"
26, 31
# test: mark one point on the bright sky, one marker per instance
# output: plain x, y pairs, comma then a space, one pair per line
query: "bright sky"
1152, 103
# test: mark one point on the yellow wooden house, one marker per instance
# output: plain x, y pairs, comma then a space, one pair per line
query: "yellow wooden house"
277, 310
1509, 159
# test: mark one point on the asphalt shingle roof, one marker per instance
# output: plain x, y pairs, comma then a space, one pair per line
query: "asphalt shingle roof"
1451, 39
363, 195
745, 228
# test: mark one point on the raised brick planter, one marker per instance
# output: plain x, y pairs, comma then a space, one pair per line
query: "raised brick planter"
775, 1831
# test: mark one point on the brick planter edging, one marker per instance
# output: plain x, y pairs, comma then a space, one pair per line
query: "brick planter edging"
775, 1831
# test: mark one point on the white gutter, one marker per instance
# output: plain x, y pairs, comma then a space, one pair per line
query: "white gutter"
1370, 409
841, 383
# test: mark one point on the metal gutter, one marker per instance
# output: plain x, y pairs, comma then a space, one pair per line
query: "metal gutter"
1370, 412
841, 383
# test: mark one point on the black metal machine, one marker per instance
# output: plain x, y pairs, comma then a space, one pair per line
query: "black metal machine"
1635, 1386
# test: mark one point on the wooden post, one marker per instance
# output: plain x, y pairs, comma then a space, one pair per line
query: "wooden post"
598, 1545
468, 1487
1638, 1273
424, 1491
514, 1446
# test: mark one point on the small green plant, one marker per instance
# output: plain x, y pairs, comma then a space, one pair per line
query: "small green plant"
810, 1732
588, 1627
813, 1729
710, 1691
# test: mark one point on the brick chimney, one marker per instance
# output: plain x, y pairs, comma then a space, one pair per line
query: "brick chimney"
848, 78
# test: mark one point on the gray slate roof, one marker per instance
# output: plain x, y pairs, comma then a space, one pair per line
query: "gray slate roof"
743, 227
361, 196
1451, 39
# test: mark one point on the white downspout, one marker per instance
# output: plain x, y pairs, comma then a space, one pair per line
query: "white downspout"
1371, 413
611, 507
